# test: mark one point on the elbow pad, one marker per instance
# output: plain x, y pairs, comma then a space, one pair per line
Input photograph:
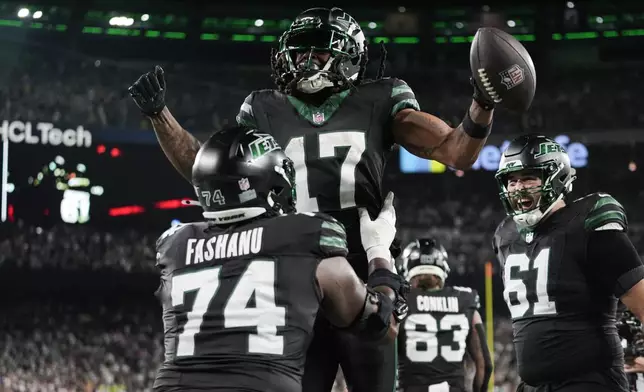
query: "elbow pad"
369, 325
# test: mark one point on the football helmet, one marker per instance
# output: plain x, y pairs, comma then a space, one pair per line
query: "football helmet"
241, 173
424, 256
322, 30
550, 162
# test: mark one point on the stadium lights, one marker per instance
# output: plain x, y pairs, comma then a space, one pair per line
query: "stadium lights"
259, 23
145, 17
23, 13
511, 23
37, 15
121, 21
373, 25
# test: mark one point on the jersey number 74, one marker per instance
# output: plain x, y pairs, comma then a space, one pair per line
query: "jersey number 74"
263, 319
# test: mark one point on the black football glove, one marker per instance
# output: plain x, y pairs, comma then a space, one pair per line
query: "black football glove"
384, 277
480, 97
148, 92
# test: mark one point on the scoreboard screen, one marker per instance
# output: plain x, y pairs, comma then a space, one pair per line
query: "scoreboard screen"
104, 184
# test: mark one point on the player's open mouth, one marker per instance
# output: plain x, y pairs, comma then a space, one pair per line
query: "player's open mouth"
525, 203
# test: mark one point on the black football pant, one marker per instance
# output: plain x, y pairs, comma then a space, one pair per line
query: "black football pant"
609, 380
367, 366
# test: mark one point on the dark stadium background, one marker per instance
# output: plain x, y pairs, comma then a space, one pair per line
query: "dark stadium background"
76, 299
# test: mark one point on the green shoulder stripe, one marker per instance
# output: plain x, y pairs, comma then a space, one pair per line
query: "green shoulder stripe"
333, 239
245, 117
402, 97
606, 210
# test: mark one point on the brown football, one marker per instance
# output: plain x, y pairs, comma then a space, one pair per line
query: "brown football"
503, 69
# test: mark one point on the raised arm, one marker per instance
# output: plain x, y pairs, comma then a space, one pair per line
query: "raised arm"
429, 137
178, 144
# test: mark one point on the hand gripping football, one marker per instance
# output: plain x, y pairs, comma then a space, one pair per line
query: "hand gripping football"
503, 69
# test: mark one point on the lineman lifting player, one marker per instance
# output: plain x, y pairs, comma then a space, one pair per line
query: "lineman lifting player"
240, 298
337, 127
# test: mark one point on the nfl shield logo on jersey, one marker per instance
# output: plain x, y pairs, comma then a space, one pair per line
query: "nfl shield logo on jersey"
318, 117
244, 185
512, 76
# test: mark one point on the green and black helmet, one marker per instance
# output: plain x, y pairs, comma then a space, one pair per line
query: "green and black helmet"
323, 30
241, 173
545, 159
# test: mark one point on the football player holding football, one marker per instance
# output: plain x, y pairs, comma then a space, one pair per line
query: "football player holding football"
443, 323
241, 290
565, 265
338, 128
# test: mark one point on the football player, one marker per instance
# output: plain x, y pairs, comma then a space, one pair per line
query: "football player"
240, 291
442, 323
565, 264
338, 128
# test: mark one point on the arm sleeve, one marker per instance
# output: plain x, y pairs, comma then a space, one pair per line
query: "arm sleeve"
333, 237
246, 116
402, 97
613, 261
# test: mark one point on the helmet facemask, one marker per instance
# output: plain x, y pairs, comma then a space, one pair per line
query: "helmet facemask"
528, 206
342, 68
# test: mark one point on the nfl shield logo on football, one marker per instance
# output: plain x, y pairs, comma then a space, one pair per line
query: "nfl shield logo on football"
244, 185
512, 76
318, 118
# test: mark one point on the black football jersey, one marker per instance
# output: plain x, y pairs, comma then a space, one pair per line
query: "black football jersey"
338, 149
433, 340
239, 302
563, 323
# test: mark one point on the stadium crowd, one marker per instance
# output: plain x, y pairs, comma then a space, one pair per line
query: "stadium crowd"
72, 89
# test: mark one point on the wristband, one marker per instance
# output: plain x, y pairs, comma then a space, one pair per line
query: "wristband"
473, 129
381, 252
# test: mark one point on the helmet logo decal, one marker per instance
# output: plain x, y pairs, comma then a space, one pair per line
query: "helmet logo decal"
262, 145
548, 148
247, 194
244, 184
511, 164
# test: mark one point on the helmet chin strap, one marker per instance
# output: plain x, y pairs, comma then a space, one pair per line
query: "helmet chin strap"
318, 81
314, 84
